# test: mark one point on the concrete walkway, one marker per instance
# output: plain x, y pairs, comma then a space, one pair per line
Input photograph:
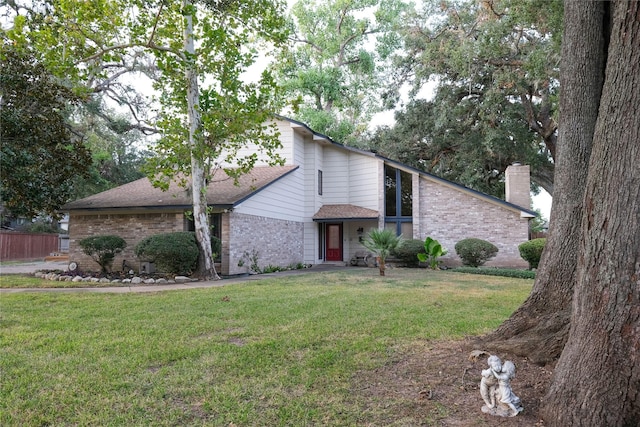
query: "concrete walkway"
32, 267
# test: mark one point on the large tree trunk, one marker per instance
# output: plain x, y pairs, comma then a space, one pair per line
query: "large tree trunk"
597, 379
539, 328
206, 268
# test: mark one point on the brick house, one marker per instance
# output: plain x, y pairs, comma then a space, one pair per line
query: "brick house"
314, 209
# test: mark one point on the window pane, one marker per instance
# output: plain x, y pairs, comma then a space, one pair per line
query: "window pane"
406, 195
390, 191
334, 236
407, 230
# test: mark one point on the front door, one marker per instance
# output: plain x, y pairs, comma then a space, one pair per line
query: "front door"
334, 242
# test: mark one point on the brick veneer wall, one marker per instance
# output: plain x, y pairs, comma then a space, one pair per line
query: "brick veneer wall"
279, 243
131, 227
450, 215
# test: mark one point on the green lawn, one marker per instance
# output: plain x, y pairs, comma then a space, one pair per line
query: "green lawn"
280, 351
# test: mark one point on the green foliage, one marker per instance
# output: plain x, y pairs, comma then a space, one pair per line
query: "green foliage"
171, 252
113, 142
475, 252
408, 252
103, 249
41, 226
432, 251
538, 224
335, 71
382, 243
504, 272
209, 114
272, 269
447, 138
531, 251
495, 68
39, 155
216, 247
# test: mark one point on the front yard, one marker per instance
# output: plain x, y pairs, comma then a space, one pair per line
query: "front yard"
336, 348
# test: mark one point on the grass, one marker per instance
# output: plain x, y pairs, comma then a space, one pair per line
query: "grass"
280, 351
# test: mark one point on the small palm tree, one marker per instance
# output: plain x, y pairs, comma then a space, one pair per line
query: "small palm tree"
382, 242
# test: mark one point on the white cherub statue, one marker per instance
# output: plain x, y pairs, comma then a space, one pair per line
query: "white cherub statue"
495, 389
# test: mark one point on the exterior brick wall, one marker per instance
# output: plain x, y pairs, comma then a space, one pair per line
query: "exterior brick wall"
131, 227
449, 216
278, 242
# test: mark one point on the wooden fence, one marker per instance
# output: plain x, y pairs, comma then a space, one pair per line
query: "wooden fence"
22, 246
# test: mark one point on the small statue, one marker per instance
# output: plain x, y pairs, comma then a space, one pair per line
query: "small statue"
495, 389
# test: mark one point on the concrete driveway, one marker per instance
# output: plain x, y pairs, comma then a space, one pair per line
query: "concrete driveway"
27, 267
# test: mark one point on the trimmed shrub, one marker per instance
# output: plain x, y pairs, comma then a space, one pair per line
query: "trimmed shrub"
408, 252
475, 252
505, 272
531, 251
171, 252
103, 249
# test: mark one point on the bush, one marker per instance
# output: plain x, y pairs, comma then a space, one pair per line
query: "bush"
433, 250
408, 252
531, 251
505, 272
475, 252
171, 252
103, 249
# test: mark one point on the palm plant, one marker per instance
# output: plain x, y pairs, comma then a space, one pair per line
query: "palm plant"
382, 242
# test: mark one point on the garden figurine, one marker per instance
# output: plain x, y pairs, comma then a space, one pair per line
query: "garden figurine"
496, 391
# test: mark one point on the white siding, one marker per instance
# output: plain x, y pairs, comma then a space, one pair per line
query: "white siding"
286, 152
284, 199
364, 182
335, 176
313, 162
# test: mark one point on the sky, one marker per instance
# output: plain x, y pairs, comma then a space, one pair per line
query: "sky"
543, 202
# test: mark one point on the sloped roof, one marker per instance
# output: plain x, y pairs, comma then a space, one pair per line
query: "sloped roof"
344, 212
319, 136
221, 191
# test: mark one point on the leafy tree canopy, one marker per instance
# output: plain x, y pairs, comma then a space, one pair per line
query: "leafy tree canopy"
40, 155
195, 54
495, 64
117, 156
336, 67
450, 136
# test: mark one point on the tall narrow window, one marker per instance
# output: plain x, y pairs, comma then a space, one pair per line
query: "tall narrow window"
398, 197
319, 182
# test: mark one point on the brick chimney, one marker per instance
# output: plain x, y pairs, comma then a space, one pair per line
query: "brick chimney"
518, 185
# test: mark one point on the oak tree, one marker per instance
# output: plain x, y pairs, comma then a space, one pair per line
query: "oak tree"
494, 65
597, 378
585, 304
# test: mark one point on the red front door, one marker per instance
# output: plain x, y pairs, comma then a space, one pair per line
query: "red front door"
334, 242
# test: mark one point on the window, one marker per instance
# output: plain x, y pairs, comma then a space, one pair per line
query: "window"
398, 197
215, 222
319, 182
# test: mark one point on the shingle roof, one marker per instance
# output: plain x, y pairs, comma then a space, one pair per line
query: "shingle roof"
343, 212
221, 191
